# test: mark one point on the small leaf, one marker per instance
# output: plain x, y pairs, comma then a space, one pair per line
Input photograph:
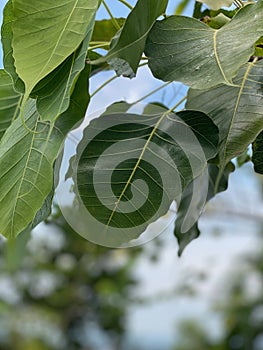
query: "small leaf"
257, 157
131, 167
125, 54
217, 4
236, 110
185, 49
9, 100
105, 30
44, 36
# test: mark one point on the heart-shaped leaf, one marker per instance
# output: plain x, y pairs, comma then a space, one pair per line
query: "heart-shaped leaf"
187, 50
131, 167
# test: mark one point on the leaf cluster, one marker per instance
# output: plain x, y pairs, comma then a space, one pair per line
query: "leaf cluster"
51, 51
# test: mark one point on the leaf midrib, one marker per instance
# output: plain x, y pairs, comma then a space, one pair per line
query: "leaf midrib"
136, 167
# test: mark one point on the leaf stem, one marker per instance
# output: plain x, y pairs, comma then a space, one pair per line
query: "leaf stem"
126, 4
103, 85
177, 104
115, 23
152, 92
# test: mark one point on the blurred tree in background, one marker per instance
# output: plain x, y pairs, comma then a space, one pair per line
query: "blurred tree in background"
65, 294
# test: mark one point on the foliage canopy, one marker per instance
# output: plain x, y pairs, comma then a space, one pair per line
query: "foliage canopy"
129, 166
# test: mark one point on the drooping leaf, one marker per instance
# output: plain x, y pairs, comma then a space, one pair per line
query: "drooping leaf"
184, 238
131, 167
9, 100
105, 30
181, 7
236, 110
53, 92
125, 54
7, 37
185, 49
257, 157
26, 163
46, 33
217, 4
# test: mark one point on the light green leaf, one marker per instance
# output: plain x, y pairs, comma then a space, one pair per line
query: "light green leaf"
237, 111
217, 4
26, 163
125, 54
7, 37
131, 167
53, 92
46, 33
9, 100
257, 157
185, 49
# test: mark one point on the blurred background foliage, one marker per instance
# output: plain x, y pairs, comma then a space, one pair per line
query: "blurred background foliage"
59, 291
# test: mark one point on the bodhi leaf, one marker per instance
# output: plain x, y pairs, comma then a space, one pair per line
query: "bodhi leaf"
236, 110
53, 92
185, 49
184, 238
9, 100
26, 163
131, 167
257, 157
7, 37
125, 54
44, 36
217, 4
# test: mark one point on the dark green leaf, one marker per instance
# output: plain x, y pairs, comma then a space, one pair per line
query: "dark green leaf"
184, 238
257, 157
185, 49
131, 167
125, 54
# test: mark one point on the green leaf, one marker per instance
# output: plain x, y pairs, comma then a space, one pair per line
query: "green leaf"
44, 36
184, 238
131, 167
7, 37
257, 157
9, 100
237, 111
105, 30
125, 54
217, 4
53, 92
26, 162
218, 21
185, 49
